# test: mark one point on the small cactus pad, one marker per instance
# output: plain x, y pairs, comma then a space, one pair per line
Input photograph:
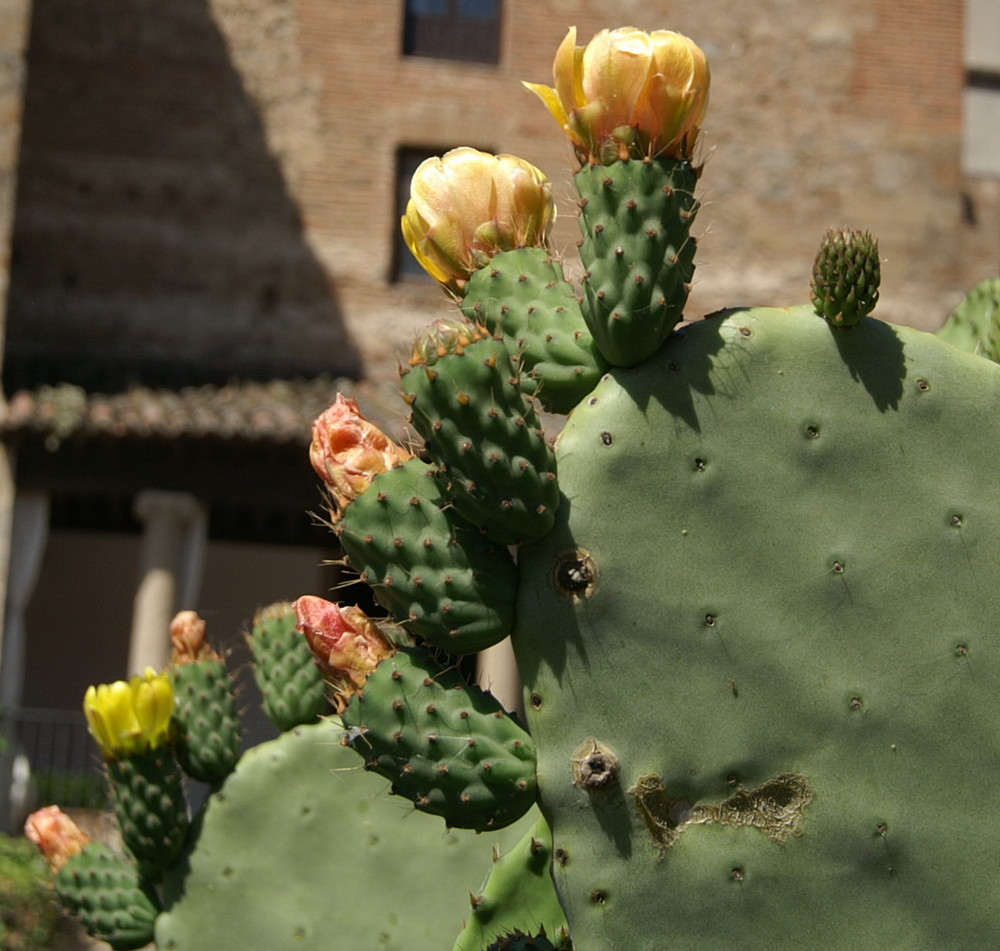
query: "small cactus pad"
846, 276
446, 745
105, 892
974, 324
638, 252
494, 463
291, 685
519, 894
302, 849
206, 726
435, 573
772, 719
523, 296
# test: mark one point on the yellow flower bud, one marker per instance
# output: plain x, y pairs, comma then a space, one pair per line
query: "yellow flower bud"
628, 94
467, 206
128, 717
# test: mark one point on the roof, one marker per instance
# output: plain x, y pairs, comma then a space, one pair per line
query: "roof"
277, 412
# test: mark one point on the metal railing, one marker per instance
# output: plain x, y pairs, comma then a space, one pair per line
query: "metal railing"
50, 758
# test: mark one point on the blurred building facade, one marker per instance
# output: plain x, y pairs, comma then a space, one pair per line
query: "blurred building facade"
199, 207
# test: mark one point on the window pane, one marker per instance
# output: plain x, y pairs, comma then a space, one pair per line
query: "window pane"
467, 30
479, 9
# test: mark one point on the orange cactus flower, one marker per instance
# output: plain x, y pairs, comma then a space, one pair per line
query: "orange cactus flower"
346, 643
187, 639
628, 93
56, 834
467, 206
348, 451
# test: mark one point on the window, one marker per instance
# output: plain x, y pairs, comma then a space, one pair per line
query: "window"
467, 30
981, 145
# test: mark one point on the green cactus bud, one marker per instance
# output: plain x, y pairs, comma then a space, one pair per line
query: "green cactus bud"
846, 277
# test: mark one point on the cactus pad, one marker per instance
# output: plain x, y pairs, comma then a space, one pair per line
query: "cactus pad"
523, 296
302, 849
786, 538
291, 685
446, 746
518, 895
105, 892
206, 725
638, 253
495, 464
435, 573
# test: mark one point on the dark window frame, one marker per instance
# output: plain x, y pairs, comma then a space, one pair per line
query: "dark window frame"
439, 29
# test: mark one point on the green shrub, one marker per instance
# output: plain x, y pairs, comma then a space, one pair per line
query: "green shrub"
28, 912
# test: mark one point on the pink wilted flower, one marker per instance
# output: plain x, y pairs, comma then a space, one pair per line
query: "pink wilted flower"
58, 836
346, 644
348, 451
187, 639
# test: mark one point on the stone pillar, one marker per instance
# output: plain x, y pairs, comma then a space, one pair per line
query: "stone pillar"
175, 527
15, 21
28, 538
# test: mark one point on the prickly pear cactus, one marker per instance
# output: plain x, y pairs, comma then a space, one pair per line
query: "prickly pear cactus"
759, 645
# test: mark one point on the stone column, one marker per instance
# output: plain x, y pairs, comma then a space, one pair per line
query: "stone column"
175, 525
28, 538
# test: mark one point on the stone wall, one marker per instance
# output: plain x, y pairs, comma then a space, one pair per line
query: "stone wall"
214, 180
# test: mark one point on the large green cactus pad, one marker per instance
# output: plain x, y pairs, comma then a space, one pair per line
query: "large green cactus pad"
303, 850
770, 717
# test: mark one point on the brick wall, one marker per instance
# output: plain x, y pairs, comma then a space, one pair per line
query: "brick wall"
217, 176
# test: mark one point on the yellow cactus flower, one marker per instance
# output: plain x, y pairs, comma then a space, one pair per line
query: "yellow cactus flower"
467, 206
129, 717
628, 93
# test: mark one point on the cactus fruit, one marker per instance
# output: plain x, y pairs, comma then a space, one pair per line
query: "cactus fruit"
636, 218
446, 746
523, 297
495, 466
150, 807
846, 276
974, 324
205, 723
292, 687
106, 893
433, 571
